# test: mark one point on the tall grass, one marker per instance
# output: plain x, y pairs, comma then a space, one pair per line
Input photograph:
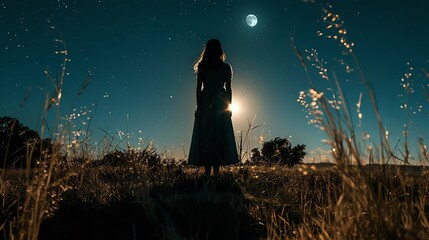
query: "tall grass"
42, 186
373, 202
351, 200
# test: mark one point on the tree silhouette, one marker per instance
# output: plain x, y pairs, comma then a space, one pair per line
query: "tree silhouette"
280, 150
15, 138
256, 155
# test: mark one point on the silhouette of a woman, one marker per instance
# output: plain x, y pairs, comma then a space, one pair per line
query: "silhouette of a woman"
213, 141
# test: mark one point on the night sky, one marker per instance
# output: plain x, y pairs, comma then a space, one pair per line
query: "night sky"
140, 56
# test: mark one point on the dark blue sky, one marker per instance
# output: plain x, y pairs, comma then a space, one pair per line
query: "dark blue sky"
140, 55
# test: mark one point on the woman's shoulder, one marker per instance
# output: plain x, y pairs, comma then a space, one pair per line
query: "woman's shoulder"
200, 65
227, 66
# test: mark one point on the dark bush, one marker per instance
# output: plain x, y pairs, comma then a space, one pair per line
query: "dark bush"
280, 151
256, 155
15, 139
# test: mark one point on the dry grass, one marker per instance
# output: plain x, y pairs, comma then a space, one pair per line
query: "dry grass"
261, 201
384, 203
142, 198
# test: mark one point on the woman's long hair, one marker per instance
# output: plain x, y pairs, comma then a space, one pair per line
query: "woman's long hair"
212, 55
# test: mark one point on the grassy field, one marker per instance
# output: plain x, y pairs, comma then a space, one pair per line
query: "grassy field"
139, 197
137, 201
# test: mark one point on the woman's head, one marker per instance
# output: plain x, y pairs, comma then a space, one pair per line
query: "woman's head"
212, 54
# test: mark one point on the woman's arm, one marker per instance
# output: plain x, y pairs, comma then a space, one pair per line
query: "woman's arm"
199, 90
228, 88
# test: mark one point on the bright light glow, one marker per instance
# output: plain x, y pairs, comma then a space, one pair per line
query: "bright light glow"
234, 107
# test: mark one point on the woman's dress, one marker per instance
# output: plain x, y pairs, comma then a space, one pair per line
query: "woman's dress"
213, 141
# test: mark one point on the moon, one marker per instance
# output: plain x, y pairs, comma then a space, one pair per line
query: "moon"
251, 20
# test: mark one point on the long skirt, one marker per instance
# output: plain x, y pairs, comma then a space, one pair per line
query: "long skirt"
213, 141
